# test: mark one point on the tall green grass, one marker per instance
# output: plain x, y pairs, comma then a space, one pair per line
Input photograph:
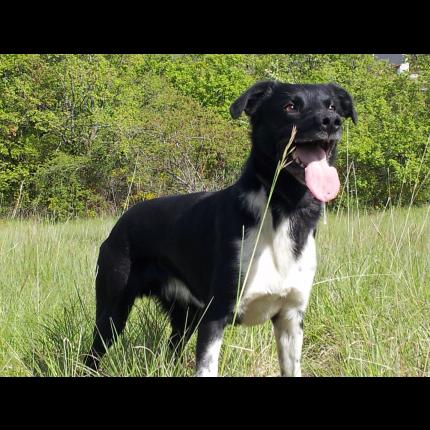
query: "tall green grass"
368, 314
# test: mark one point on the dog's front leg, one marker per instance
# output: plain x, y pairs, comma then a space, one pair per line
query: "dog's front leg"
209, 340
288, 328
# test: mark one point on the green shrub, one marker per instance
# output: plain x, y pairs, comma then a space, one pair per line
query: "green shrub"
60, 188
80, 134
213, 80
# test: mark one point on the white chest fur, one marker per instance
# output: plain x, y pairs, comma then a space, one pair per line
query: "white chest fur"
276, 278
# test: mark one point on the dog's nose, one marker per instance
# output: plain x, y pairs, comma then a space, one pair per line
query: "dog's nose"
330, 123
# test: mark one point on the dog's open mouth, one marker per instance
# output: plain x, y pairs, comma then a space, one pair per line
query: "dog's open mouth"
309, 164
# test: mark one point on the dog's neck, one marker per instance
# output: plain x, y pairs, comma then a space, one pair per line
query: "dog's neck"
289, 195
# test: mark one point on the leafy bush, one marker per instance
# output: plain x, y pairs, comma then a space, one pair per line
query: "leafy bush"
60, 188
213, 80
98, 135
82, 134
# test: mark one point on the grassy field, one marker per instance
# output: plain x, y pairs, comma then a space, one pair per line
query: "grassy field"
369, 313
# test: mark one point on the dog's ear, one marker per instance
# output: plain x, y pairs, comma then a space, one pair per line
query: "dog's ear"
252, 98
347, 109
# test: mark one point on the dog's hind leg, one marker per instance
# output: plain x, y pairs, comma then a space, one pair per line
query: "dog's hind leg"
114, 300
184, 321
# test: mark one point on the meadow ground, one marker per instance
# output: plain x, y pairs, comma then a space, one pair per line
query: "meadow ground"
368, 314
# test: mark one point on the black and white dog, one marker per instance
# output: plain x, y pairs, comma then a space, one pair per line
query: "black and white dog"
187, 250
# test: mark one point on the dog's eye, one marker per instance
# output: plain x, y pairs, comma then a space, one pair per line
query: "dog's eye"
290, 107
332, 107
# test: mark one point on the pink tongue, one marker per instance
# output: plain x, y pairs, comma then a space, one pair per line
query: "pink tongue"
321, 179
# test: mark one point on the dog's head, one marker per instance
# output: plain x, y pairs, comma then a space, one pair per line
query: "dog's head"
317, 112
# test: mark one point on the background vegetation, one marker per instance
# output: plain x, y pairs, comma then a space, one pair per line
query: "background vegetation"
82, 135
367, 315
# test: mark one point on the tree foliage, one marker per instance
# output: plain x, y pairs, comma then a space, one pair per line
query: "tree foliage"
82, 134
